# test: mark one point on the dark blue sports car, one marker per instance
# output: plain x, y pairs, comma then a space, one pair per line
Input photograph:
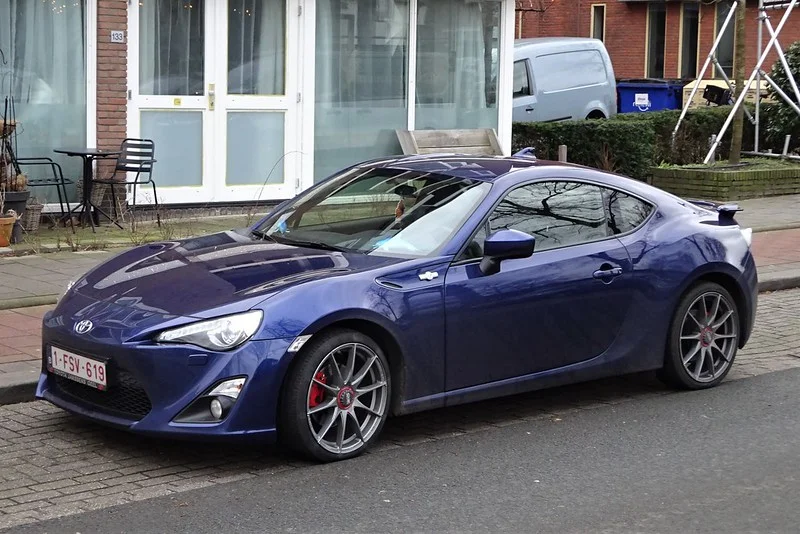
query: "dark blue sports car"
402, 285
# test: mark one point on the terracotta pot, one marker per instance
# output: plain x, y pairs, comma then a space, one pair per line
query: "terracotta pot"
6, 227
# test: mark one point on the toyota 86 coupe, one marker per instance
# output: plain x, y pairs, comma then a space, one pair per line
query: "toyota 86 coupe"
400, 285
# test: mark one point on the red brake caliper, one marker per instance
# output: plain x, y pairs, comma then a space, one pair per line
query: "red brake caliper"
317, 392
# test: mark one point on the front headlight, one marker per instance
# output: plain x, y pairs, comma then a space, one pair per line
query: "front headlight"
224, 333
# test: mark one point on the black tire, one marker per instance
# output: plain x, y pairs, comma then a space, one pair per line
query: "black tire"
697, 373
296, 427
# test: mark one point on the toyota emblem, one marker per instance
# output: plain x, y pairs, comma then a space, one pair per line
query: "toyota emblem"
83, 326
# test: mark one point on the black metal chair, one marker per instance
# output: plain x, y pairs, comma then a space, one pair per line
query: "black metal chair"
136, 156
57, 180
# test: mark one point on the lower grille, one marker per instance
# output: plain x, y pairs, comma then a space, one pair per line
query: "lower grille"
124, 396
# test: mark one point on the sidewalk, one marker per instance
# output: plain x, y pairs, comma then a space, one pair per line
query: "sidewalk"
38, 280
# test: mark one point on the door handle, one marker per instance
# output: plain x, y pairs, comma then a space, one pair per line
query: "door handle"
529, 109
212, 100
607, 272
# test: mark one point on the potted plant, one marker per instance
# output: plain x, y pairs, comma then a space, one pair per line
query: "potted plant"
7, 221
12, 182
15, 187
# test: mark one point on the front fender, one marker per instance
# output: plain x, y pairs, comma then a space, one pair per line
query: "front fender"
413, 318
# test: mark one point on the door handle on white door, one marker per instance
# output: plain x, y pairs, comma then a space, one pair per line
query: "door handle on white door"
211, 97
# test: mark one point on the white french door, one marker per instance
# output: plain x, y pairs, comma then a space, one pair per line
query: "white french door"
212, 83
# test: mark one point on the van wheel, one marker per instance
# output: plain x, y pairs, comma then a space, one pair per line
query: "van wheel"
595, 115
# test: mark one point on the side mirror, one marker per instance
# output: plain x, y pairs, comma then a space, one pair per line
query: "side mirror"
505, 245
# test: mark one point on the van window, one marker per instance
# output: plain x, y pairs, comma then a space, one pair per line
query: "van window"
569, 70
522, 84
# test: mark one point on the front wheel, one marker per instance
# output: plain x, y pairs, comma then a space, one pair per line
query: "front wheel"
336, 397
703, 338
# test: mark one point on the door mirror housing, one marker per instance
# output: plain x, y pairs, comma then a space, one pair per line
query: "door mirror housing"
505, 245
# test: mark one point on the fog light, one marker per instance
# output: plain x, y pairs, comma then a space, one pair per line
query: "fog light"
216, 408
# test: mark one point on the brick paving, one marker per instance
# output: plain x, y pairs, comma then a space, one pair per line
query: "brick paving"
20, 335
53, 464
770, 213
45, 275
776, 250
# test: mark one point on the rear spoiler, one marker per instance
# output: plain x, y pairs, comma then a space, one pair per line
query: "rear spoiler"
726, 212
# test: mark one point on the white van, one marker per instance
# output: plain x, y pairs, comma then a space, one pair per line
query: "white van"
562, 78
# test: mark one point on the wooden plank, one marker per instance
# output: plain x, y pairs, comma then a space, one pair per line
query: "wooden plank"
479, 141
467, 150
495, 143
407, 142
439, 138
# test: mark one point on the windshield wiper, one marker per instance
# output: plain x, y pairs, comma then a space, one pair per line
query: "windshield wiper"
262, 234
309, 244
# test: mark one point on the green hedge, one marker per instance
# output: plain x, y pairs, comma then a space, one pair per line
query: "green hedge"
631, 143
619, 146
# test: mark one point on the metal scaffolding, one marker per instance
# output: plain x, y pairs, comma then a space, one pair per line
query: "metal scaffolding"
764, 6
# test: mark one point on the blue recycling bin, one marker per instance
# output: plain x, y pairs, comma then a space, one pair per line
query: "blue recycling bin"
641, 96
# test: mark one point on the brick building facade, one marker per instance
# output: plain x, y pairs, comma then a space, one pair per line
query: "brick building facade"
633, 27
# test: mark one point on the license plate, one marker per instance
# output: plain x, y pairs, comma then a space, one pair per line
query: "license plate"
78, 368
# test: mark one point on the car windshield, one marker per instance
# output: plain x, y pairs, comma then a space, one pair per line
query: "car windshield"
387, 212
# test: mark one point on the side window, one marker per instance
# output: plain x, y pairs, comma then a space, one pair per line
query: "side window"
625, 213
557, 214
522, 86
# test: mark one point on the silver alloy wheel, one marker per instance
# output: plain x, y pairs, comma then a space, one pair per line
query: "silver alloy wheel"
709, 336
347, 398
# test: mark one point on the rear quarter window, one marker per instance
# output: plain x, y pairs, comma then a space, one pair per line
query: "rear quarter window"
569, 70
625, 213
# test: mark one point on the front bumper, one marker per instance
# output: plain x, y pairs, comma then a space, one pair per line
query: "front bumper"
150, 384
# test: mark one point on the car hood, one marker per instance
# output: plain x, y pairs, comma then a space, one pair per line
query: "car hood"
194, 275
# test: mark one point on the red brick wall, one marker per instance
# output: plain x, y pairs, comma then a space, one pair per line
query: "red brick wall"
112, 75
626, 31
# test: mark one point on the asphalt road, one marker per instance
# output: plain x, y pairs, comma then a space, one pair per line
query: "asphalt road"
723, 460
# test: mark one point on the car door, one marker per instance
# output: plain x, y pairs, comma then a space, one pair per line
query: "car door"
563, 305
524, 93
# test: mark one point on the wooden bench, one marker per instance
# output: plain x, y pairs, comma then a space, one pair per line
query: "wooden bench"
482, 141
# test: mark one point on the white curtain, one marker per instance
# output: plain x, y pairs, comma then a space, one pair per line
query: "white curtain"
256, 47
361, 81
43, 67
171, 47
456, 55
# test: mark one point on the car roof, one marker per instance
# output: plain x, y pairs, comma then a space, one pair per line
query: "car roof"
483, 168
510, 170
554, 41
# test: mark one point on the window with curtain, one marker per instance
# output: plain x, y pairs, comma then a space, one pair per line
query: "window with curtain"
725, 50
691, 27
256, 47
656, 40
457, 63
171, 47
43, 68
361, 79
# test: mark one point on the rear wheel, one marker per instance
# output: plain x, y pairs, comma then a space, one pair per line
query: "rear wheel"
703, 338
336, 398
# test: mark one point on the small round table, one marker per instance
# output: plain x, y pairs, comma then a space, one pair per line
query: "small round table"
89, 155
